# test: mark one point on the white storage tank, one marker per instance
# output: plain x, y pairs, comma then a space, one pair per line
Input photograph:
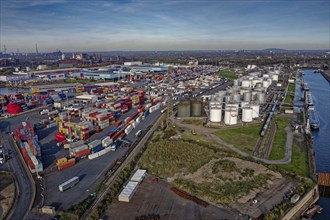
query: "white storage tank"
236, 82
255, 81
265, 83
247, 114
247, 96
275, 77
265, 76
236, 97
244, 104
230, 116
261, 97
246, 83
258, 85
227, 99
255, 112
215, 114
233, 105
214, 104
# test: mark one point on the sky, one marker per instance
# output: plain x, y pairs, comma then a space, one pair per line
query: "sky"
100, 25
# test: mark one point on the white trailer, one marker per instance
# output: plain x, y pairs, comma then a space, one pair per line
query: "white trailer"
68, 184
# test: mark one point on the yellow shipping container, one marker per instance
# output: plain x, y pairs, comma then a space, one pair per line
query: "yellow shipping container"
61, 161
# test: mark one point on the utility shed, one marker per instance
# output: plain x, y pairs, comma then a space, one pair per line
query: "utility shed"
86, 99
128, 192
139, 175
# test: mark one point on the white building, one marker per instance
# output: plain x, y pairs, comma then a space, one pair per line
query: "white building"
133, 63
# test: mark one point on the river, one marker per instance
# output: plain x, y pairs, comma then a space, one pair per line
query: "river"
320, 89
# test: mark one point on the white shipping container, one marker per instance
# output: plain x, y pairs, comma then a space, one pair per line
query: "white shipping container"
128, 129
93, 156
113, 147
94, 143
79, 148
128, 191
104, 151
106, 141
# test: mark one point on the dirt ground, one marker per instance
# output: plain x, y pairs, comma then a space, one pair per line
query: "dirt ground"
158, 199
7, 194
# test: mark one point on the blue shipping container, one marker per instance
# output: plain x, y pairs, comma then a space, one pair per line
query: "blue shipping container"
97, 148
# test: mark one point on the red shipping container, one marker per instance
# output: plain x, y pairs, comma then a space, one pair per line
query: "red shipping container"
82, 153
66, 165
118, 123
59, 137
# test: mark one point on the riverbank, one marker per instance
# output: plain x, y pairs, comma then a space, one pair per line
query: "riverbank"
326, 75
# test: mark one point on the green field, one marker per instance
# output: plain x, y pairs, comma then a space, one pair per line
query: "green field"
289, 98
278, 149
244, 138
299, 163
229, 74
79, 81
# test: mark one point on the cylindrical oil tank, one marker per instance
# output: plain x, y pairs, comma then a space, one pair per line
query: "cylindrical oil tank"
265, 83
242, 91
261, 97
232, 105
215, 114
184, 109
246, 83
230, 116
227, 99
219, 99
258, 85
236, 82
275, 77
236, 97
255, 108
255, 81
247, 96
214, 104
247, 114
265, 76
254, 95
244, 104
269, 81
196, 109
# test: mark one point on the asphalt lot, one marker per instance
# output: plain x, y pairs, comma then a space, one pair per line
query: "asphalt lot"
89, 171
159, 199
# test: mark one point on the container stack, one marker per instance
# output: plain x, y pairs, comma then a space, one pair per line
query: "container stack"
79, 130
30, 149
64, 163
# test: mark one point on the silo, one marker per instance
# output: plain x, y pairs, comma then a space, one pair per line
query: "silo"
233, 105
236, 82
244, 104
275, 77
247, 114
255, 108
258, 85
242, 91
247, 96
219, 99
265, 76
236, 97
230, 116
196, 109
269, 81
265, 83
261, 97
246, 83
184, 109
227, 99
215, 114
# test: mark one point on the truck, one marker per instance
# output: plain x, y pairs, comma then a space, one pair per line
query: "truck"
68, 184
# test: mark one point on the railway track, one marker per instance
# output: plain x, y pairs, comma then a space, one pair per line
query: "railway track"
264, 143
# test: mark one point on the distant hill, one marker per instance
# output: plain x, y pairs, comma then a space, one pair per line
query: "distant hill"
275, 49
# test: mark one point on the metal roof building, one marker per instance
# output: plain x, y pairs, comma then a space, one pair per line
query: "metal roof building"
128, 192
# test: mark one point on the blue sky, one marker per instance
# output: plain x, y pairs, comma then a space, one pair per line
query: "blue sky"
99, 25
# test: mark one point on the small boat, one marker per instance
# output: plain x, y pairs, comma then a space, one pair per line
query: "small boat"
312, 211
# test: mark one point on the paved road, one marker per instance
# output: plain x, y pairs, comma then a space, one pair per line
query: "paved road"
25, 188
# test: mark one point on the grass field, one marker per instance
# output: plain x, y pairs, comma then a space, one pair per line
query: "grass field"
203, 168
299, 163
278, 149
229, 74
243, 138
289, 98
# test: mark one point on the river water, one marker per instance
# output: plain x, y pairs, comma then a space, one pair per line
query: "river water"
320, 89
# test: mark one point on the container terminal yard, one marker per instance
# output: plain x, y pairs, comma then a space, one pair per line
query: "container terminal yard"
69, 136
